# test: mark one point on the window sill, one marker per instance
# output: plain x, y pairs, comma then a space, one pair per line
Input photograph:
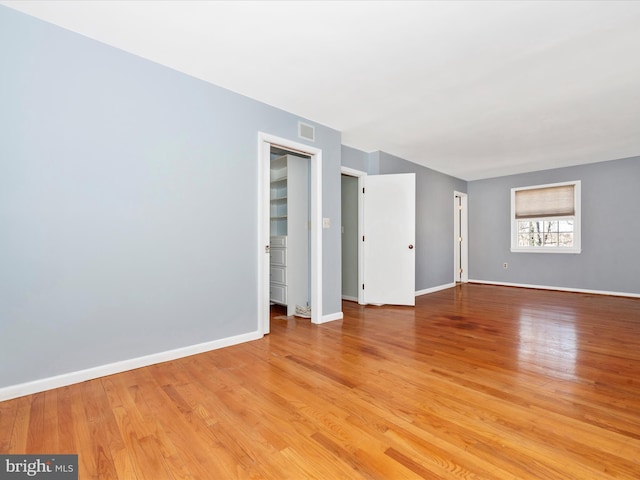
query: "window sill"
546, 250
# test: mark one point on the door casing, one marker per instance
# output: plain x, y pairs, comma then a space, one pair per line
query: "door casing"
265, 141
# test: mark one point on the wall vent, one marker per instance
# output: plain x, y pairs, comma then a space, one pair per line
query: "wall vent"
306, 131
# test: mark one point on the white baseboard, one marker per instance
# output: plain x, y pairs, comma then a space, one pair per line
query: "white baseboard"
435, 289
350, 299
331, 317
560, 289
63, 380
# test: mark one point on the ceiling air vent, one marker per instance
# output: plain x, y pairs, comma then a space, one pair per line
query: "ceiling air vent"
307, 132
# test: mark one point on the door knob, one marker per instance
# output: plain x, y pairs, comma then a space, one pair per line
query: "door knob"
410, 247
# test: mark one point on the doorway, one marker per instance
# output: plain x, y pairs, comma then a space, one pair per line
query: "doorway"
386, 219
290, 240
460, 238
265, 144
352, 230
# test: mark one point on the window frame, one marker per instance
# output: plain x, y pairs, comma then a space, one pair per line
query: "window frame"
577, 241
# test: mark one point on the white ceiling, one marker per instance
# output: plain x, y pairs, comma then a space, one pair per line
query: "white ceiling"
473, 89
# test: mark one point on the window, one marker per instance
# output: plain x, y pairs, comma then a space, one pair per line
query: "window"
546, 218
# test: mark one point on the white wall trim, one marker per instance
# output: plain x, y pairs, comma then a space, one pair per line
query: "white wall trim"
331, 317
79, 376
560, 289
265, 141
352, 172
349, 299
435, 289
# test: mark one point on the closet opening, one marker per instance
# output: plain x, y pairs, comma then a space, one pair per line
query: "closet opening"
289, 233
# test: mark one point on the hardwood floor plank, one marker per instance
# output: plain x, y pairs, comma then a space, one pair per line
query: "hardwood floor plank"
123, 464
50, 440
37, 436
65, 425
20, 431
8, 413
411, 464
372, 464
102, 428
81, 431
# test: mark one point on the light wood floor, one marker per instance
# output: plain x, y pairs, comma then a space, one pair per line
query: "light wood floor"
477, 381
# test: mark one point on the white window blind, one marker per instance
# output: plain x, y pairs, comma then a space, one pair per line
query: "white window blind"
555, 201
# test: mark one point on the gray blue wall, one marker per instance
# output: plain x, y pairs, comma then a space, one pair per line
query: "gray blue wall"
359, 160
434, 212
128, 204
610, 231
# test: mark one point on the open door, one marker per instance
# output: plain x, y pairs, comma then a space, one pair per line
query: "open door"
389, 239
460, 234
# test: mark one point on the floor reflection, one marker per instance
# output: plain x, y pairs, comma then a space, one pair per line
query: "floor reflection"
548, 341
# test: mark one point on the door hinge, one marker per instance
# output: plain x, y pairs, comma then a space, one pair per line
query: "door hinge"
363, 286
363, 238
460, 239
362, 189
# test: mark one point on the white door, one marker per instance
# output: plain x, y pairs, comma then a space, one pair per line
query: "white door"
389, 239
460, 234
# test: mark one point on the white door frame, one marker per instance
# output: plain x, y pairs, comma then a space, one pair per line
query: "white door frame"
360, 175
265, 141
460, 237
